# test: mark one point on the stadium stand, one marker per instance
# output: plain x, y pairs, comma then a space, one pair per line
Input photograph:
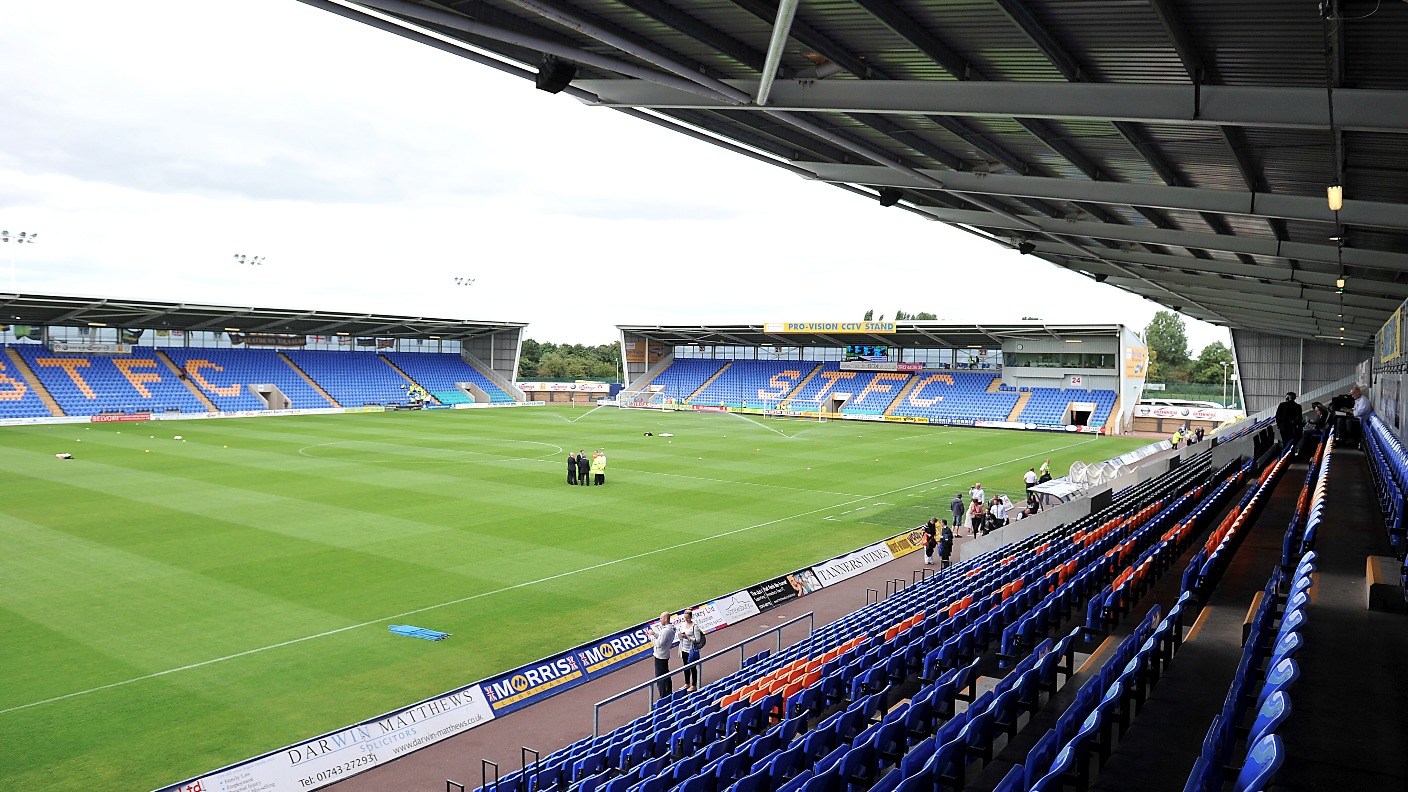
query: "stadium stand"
753, 383
95, 384
683, 377
956, 396
225, 377
352, 379
940, 396
874, 391
827, 714
438, 374
1050, 406
17, 398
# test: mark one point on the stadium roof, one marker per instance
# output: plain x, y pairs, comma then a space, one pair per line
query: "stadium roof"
101, 312
907, 335
1180, 151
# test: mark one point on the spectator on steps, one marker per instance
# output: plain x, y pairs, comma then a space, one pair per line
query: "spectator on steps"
1289, 417
662, 634
1315, 425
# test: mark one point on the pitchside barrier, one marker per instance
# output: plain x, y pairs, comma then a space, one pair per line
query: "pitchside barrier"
194, 416
328, 758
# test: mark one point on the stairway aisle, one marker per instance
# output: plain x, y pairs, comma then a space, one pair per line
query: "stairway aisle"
1349, 710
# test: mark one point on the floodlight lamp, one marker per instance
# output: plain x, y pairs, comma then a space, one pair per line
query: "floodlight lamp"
1335, 194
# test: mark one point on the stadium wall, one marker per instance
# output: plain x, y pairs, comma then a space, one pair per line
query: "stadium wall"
328, 758
1268, 366
1388, 379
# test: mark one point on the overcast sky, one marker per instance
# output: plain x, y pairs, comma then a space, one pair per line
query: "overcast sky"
149, 142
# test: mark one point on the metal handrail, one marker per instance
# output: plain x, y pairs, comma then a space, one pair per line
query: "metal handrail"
650, 684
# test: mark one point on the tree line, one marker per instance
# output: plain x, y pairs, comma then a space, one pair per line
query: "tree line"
900, 316
544, 360
1170, 359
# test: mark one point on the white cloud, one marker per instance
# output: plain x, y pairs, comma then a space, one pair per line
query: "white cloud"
154, 141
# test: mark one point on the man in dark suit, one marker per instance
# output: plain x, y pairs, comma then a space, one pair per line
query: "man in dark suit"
584, 468
571, 469
1289, 419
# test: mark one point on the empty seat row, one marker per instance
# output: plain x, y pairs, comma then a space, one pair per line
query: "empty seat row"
934, 631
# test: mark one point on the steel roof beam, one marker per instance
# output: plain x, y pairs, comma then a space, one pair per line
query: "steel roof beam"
691, 84
1195, 199
1259, 272
1284, 107
781, 29
1272, 248
1277, 295
1043, 38
801, 31
221, 319
706, 34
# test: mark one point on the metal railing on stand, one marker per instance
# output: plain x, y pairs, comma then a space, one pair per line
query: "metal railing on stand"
742, 654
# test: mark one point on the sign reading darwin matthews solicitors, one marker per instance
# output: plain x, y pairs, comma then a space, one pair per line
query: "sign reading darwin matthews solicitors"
324, 760
828, 327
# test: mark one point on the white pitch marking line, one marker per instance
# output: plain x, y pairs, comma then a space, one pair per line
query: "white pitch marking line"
471, 597
483, 594
755, 423
583, 415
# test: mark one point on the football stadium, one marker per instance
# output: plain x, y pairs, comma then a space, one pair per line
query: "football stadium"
259, 549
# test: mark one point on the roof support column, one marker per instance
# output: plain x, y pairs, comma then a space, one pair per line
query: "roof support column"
781, 28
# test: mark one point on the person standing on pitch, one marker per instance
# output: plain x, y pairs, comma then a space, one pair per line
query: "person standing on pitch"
1030, 477
662, 633
584, 468
599, 468
571, 469
955, 507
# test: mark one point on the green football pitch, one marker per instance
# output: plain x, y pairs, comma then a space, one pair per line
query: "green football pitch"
171, 606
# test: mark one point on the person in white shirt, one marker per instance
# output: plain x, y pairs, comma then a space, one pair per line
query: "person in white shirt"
976, 493
999, 512
1030, 477
1361, 410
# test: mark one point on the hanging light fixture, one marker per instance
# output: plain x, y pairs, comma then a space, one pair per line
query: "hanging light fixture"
1335, 194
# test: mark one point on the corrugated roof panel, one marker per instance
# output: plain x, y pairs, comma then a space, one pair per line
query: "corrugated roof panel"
984, 37
1113, 42
1294, 162
1376, 166
1373, 44
1258, 42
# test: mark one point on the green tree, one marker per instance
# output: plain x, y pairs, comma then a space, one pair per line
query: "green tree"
870, 314
1208, 367
546, 360
1168, 347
